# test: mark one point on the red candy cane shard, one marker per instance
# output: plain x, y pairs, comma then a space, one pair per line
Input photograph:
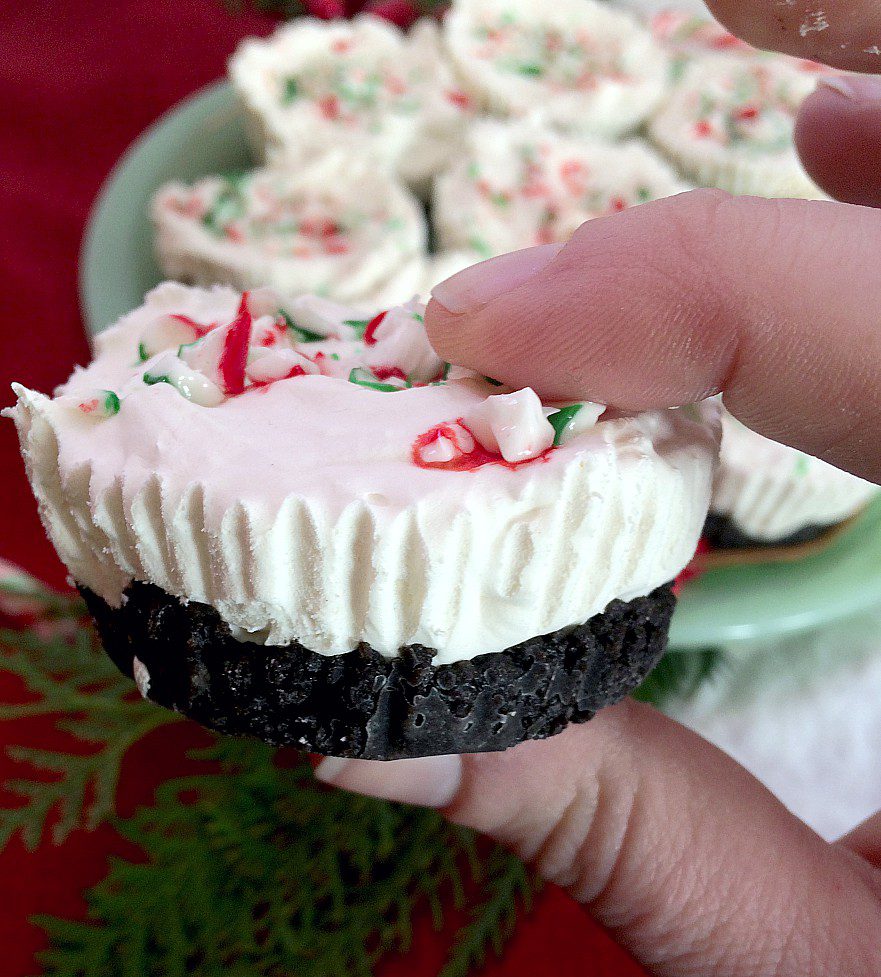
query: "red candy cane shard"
234, 357
372, 326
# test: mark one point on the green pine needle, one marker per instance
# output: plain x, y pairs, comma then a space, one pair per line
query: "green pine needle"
251, 869
679, 675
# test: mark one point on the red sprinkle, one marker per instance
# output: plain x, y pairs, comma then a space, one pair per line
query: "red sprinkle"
747, 113
703, 129
234, 357
460, 99
388, 372
372, 326
463, 461
330, 107
89, 406
726, 41
618, 204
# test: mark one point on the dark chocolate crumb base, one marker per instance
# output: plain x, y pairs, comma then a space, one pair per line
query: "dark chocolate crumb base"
721, 532
361, 704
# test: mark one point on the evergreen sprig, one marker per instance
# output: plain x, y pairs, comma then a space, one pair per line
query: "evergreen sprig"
250, 867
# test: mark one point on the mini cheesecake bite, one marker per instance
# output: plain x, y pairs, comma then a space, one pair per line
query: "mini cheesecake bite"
768, 494
582, 66
729, 121
521, 184
333, 229
360, 85
295, 521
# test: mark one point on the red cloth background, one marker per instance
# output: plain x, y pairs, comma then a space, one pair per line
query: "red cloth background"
78, 82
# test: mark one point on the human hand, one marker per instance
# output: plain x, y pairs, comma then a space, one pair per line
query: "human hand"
677, 850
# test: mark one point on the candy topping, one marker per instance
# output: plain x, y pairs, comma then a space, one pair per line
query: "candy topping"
100, 404
234, 356
371, 327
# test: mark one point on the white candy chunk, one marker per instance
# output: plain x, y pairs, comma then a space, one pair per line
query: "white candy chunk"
323, 316
190, 383
401, 341
270, 365
580, 421
512, 425
93, 404
165, 332
263, 302
266, 331
439, 452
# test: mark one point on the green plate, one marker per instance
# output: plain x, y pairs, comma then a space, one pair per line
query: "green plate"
771, 600
205, 134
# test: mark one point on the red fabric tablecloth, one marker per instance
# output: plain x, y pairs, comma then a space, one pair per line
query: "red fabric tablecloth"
78, 82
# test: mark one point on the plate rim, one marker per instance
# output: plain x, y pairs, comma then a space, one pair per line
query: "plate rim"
97, 217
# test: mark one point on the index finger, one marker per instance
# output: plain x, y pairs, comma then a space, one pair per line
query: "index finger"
776, 302
843, 33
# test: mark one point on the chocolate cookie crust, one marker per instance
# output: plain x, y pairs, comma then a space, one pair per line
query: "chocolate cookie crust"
721, 532
364, 705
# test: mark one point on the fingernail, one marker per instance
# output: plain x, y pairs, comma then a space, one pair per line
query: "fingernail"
865, 88
426, 781
471, 289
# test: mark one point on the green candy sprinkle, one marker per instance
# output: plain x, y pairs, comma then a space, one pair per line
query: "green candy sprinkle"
801, 466
302, 335
495, 383
643, 194
290, 91
363, 378
142, 353
480, 245
560, 420
359, 325
151, 379
112, 403
530, 70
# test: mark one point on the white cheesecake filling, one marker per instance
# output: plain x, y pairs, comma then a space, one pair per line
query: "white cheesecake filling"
353, 503
729, 123
581, 65
362, 85
520, 184
770, 491
334, 228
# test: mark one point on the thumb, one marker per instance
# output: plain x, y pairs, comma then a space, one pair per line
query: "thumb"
774, 301
677, 850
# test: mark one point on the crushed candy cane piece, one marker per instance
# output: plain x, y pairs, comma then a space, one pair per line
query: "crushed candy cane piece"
323, 317
399, 339
512, 425
262, 301
190, 383
278, 364
573, 419
167, 332
98, 403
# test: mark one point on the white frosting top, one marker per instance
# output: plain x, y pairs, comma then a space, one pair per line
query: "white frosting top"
770, 491
255, 468
335, 228
582, 65
362, 84
520, 184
